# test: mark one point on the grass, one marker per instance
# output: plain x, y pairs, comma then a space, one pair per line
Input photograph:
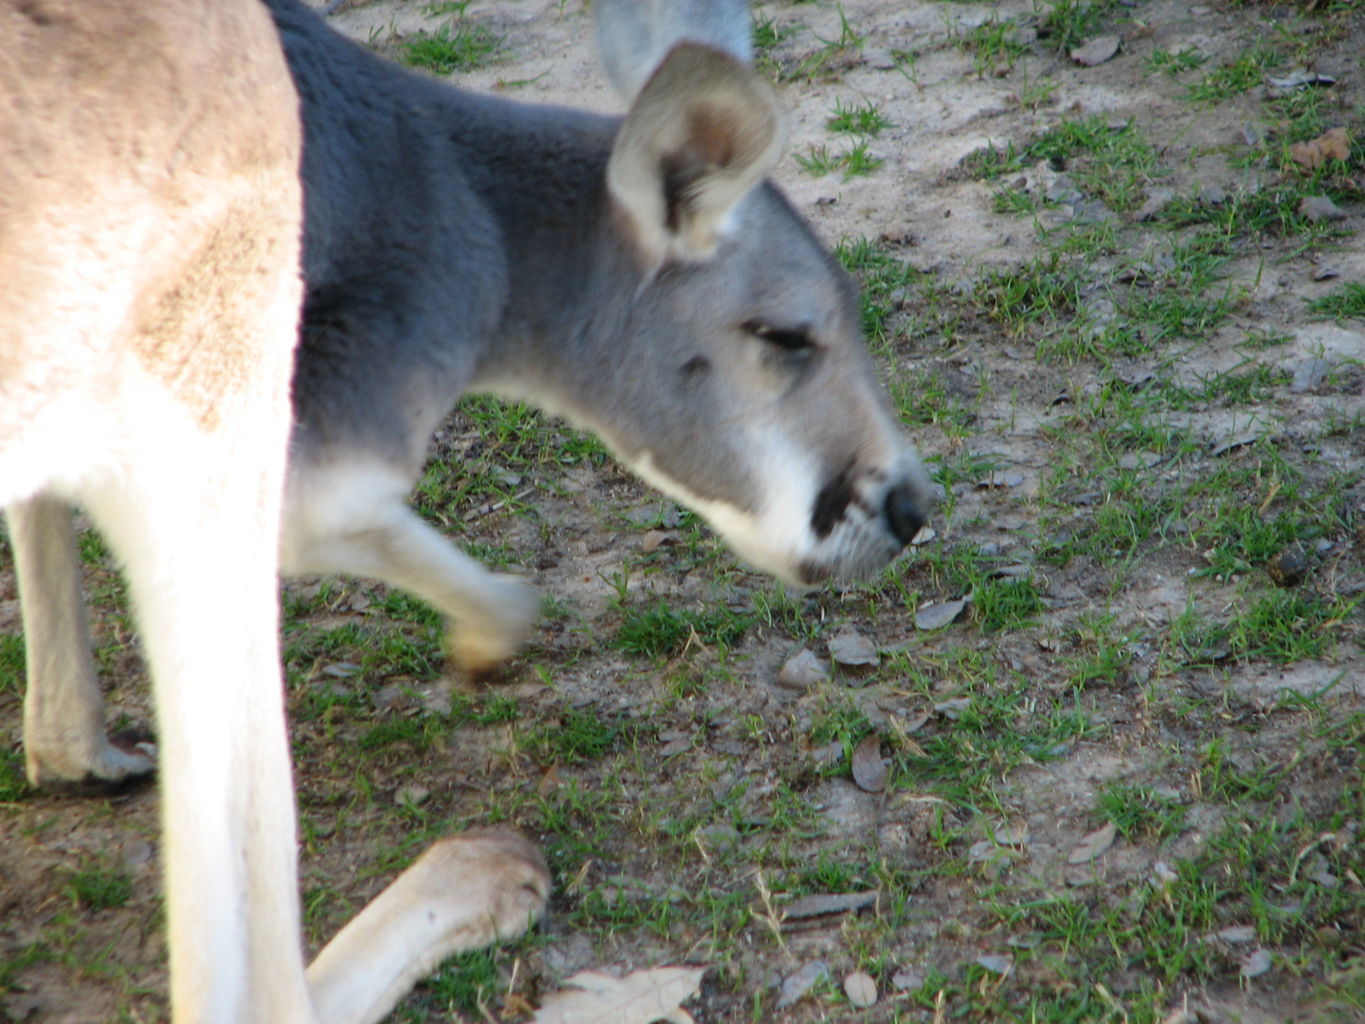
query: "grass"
99, 889
1344, 303
995, 46
854, 162
455, 46
1235, 77
1112, 162
858, 119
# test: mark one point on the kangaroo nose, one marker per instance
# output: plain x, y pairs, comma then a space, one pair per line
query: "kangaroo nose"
903, 512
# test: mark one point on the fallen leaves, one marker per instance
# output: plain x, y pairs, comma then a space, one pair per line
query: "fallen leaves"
869, 769
1331, 145
861, 989
641, 997
1093, 845
1256, 963
796, 985
1320, 208
852, 650
1096, 51
936, 616
828, 904
802, 671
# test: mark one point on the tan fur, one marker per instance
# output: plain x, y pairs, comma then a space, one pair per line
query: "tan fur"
150, 220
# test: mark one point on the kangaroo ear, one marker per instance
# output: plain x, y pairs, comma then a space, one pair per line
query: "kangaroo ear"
701, 134
634, 35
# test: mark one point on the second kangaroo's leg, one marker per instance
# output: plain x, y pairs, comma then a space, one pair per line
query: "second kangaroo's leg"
356, 520
64, 735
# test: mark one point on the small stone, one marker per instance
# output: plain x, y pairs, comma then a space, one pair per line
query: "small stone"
411, 796
137, 852
861, 989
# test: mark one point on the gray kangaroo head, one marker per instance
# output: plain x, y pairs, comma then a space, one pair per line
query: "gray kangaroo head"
739, 383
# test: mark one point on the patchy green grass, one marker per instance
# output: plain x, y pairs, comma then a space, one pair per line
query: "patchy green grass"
858, 119
1344, 303
455, 46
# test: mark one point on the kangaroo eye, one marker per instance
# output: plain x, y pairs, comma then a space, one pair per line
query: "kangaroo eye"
789, 339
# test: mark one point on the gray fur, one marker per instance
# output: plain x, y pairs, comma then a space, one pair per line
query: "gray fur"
458, 242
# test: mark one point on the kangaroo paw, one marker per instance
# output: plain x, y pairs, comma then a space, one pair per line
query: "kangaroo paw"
127, 760
483, 639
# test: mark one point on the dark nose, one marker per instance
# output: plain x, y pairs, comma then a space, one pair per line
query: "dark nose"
904, 513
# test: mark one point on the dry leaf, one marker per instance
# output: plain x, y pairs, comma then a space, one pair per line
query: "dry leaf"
907, 979
860, 989
1012, 835
869, 770
549, 782
1238, 933
936, 616
802, 671
1000, 480
827, 903
641, 997
1298, 78
1332, 145
1093, 845
952, 709
1096, 51
794, 986
1320, 208
852, 649
653, 540
996, 964
1236, 441
1256, 964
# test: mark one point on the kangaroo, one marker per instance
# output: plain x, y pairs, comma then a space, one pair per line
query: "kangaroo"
637, 275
